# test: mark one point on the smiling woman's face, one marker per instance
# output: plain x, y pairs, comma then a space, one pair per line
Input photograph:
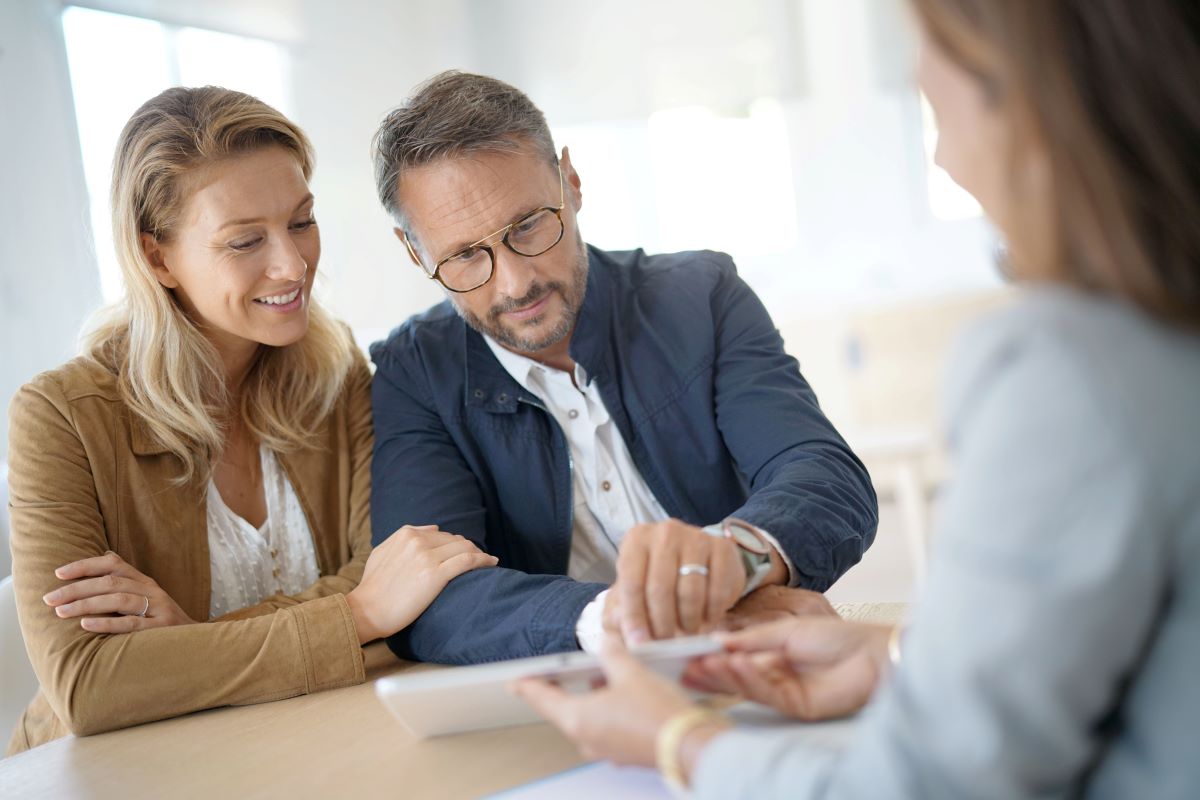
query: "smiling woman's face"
243, 257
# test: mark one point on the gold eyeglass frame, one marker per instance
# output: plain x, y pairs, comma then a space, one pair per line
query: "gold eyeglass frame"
490, 249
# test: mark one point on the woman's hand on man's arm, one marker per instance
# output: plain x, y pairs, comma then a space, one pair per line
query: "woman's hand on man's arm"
405, 573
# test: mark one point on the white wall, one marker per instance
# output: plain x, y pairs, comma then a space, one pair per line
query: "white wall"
48, 278
358, 61
842, 72
839, 68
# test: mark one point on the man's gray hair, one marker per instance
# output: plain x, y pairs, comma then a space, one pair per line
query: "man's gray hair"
451, 114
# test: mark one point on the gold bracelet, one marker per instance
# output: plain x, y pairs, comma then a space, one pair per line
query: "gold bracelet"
894, 645
670, 740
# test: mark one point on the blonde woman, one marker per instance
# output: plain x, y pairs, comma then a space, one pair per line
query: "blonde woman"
190, 517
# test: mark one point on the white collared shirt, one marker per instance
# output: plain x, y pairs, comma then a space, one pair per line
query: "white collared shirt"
610, 495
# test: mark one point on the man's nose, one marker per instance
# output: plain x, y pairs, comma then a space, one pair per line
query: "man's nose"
514, 274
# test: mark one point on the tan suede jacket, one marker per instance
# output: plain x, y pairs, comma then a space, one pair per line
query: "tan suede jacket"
86, 477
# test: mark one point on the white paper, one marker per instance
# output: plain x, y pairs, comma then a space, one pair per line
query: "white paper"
598, 781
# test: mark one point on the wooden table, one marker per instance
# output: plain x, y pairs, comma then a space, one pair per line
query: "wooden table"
336, 744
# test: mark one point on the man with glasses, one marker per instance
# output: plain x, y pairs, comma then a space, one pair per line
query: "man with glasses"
591, 418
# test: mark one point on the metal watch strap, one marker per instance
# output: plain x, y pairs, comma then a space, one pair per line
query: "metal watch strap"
752, 563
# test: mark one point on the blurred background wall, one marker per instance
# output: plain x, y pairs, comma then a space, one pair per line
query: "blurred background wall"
785, 132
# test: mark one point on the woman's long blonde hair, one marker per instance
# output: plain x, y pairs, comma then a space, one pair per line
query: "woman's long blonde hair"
168, 373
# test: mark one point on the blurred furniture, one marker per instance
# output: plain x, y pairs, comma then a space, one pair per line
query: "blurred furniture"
18, 684
897, 463
878, 613
878, 374
341, 743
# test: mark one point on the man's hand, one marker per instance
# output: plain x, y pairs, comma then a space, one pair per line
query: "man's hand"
773, 603
652, 600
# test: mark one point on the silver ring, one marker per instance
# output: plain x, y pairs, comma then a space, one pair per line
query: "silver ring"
693, 569
145, 608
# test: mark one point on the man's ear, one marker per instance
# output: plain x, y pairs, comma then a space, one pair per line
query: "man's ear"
572, 179
409, 245
152, 251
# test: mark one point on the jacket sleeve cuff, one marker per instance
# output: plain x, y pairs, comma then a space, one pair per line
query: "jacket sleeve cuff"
556, 620
328, 643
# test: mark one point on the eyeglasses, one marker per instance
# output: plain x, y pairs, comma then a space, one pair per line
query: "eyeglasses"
474, 265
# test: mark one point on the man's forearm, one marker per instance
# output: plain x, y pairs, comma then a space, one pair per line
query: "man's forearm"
497, 614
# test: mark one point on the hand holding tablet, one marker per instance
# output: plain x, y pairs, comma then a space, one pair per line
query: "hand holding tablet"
460, 699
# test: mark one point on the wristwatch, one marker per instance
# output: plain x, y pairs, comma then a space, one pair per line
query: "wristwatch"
754, 549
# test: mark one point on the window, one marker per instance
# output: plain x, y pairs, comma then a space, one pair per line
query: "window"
661, 186
118, 62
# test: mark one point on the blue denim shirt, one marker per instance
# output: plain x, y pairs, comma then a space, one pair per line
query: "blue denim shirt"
717, 418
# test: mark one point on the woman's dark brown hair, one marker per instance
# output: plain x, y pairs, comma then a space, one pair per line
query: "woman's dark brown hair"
1109, 90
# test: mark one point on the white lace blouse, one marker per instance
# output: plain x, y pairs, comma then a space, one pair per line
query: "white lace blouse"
250, 564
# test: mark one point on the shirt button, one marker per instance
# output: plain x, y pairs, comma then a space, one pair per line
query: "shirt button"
275, 572
572, 413
606, 486
274, 553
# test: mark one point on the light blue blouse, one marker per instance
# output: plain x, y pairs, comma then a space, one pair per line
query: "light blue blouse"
1055, 648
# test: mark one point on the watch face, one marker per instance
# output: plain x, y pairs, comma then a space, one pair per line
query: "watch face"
746, 538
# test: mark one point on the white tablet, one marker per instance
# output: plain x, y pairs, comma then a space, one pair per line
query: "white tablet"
454, 700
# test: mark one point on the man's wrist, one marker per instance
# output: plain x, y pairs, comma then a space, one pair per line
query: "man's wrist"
756, 550
779, 574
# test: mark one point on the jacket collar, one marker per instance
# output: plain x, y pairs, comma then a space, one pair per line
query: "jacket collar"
487, 384
142, 440
590, 339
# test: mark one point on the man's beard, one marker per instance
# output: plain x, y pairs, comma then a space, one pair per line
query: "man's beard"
572, 294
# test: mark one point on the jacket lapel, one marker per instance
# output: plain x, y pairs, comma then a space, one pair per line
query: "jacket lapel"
164, 525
